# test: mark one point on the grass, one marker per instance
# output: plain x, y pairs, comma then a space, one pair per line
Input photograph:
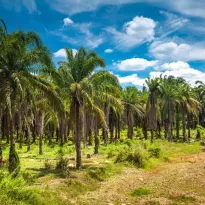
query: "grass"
41, 183
182, 199
142, 191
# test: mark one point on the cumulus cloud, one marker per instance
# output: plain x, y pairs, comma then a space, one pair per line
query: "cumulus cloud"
134, 64
108, 50
134, 79
134, 32
180, 69
171, 51
62, 54
67, 21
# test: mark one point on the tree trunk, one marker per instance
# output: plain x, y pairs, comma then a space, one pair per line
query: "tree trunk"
96, 137
129, 124
41, 130
145, 128
169, 123
105, 132
183, 124
177, 122
118, 128
189, 126
13, 157
77, 133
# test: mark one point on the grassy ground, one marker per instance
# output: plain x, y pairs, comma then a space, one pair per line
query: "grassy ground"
41, 183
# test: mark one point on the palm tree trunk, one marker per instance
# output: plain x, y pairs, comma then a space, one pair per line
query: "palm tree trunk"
118, 128
177, 122
169, 122
183, 124
41, 129
13, 158
189, 126
77, 133
145, 128
96, 137
129, 125
105, 132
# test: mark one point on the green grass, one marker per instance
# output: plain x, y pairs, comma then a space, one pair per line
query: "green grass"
142, 191
40, 183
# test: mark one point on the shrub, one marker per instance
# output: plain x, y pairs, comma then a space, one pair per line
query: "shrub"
47, 165
62, 165
14, 190
154, 152
137, 157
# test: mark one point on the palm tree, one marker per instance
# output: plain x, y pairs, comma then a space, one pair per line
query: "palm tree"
131, 101
78, 71
169, 98
151, 108
22, 56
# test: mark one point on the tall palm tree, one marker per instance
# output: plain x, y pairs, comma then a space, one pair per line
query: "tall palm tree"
169, 98
131, 101
78, 71
151, 108
22, 56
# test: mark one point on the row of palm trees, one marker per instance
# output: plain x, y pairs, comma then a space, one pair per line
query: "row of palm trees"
78, 99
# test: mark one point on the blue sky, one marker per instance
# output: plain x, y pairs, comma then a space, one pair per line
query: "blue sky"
137, 38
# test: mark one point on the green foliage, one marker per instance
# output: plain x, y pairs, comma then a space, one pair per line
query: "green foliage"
15, 191
104, 172
14, 163
142, 191
154, 151
47, 165
62, 165
136, 156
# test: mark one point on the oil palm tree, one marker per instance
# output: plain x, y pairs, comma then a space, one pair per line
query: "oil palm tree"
78, 71
131, 102
169, 99
151, 107
22, 56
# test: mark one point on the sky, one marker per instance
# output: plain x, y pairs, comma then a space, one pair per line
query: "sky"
137, 38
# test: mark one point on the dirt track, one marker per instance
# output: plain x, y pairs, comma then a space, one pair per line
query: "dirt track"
181, 181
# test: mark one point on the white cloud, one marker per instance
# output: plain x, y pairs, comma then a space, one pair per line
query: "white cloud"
180, 69
134, 32
134, 79
67, 21
188, 7
134, 64
62, 54
171, 51
82, 35
108, 50
173, 23
17, 5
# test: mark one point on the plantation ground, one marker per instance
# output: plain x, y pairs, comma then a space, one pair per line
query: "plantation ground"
180, 181
125, 172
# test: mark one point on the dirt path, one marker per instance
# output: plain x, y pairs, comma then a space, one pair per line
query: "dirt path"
181, 181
